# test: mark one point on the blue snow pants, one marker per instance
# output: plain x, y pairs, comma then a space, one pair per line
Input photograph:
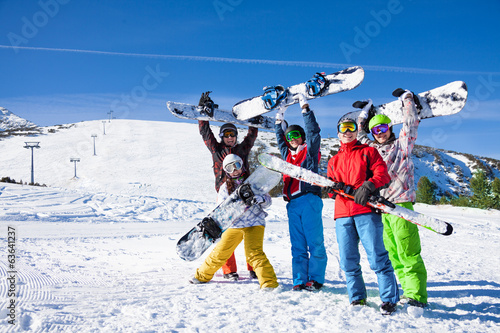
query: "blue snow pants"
369, 229
305, 225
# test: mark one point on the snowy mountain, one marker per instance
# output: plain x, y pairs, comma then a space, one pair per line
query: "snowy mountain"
150, 143
96, 252
11, 124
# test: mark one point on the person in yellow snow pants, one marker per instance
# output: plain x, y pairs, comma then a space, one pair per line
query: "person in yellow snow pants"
255, 256
248, 227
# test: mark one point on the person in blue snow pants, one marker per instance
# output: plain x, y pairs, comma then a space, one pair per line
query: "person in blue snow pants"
369, 229
301, 147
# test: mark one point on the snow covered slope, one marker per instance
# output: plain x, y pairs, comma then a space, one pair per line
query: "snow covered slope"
139, 157
96, 253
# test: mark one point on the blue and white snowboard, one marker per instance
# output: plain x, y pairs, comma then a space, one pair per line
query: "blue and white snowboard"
343, 80
194, 112
428, 222
192, 245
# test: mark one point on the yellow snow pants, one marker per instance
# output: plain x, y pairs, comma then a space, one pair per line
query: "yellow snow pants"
254, 252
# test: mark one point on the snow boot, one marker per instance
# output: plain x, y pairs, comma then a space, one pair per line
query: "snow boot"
359, 302
416, 303
194, 280
388, 308
252, 274
299, 287
232, 276
313, 286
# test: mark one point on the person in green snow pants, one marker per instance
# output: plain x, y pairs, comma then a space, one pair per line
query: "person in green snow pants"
401, 238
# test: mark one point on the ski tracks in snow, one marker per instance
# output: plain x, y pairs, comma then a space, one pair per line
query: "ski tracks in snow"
103, 262
21, 203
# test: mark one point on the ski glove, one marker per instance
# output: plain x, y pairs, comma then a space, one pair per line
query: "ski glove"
405, 95
304, 105
280, 113
207, 104
258, 199
337, 186
204, 99
363, 193
366, 108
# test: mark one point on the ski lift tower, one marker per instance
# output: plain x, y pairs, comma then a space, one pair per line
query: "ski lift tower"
32, 145
94, 136
104, 127
73, 159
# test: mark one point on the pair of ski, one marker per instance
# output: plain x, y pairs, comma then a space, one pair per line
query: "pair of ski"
193, 244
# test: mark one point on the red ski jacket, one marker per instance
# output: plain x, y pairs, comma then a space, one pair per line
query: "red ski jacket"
353, 165
219, 150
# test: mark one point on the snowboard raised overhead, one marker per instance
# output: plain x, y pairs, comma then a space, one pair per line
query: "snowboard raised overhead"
189, 111
442, 101
320, 85
192, 245
377, 202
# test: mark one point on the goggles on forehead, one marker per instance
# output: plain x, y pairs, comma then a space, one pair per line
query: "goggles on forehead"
347, 127
293, 135
232, 167
228, 133
379, 129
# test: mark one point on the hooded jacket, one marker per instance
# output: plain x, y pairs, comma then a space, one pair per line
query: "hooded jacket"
219, 150
354, 164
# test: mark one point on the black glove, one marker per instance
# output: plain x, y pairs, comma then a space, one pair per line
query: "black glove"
336, 186
207, 104
205, 98
246, 194
363, 193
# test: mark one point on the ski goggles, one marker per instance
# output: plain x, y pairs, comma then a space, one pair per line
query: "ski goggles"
293, 135
228, 133
232, 167
347, 127
379, 129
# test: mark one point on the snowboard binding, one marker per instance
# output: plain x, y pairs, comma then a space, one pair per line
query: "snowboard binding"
316, 85
273, 95
246, 194
210, 228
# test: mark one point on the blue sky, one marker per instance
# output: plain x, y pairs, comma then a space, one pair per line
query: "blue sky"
64, 61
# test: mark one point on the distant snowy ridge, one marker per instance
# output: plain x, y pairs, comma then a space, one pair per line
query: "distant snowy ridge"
139, 152
11, 124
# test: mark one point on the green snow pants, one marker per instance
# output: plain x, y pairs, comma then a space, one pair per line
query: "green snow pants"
402, 241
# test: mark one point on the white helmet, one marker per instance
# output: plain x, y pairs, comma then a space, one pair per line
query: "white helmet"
231, 163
